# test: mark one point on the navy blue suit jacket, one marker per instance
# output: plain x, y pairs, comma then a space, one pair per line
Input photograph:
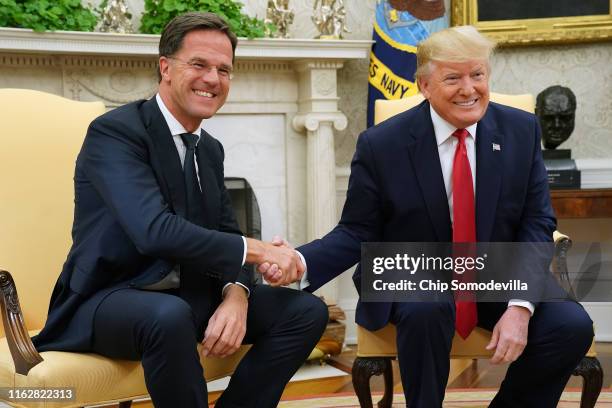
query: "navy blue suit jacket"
396, 193
129, 222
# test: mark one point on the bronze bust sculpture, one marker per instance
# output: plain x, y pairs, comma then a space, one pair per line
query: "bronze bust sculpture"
556, 108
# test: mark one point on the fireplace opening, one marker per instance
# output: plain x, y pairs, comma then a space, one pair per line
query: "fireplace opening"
246, 210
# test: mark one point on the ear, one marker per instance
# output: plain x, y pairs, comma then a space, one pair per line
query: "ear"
423, 83
164, 67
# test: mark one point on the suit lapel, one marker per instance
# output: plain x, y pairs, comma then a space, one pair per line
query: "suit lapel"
488, 175
166, 153
423, 151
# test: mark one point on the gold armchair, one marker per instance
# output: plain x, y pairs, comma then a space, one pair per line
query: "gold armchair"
41, 136
375, 350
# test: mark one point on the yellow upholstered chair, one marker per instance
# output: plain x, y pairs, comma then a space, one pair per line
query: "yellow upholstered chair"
41, 135
375, 350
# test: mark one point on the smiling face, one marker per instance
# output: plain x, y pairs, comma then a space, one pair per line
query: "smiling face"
193, 94
457, 91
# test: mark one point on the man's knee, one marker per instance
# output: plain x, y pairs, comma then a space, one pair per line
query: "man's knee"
312, 311
423, 314
578, 329
573, 333
319, 311
171, 319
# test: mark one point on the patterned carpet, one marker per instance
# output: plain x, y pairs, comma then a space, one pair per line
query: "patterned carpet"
453, 399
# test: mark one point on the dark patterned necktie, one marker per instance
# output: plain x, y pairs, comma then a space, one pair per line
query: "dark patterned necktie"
197, 288
195, 200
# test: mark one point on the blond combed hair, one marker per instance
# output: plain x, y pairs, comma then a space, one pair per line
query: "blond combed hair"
453, 44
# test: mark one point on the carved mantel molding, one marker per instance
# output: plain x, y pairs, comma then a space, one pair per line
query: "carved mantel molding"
145, 45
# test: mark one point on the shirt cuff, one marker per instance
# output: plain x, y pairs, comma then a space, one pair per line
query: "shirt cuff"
244, 253
522, 303
227, 285
303, 283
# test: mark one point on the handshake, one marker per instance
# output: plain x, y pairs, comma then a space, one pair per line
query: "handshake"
277, 261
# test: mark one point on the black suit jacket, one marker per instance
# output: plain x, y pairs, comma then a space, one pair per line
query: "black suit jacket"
129, 228
396, 193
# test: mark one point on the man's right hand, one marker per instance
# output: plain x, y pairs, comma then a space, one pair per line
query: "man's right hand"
286, 265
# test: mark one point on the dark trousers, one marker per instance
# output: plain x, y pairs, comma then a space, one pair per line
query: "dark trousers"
560, 334
160, 329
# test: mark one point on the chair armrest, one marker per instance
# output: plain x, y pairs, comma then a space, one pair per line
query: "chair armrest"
20, 345
559, 265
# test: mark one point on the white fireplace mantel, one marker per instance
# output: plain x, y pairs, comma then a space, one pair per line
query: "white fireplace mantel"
145, 45
277, 126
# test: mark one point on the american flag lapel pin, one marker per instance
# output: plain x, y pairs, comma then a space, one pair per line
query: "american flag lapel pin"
496, 147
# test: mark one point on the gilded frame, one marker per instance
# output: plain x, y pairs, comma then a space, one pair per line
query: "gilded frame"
535, 31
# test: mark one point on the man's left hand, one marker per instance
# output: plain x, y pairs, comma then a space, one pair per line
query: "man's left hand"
227, 326
510, 335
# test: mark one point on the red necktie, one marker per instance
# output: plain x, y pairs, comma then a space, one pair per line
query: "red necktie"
464, 230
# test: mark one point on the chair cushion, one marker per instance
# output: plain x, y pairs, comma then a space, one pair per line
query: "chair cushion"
381, 343
96, 379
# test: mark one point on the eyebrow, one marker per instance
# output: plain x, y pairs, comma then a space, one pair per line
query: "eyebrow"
198, 59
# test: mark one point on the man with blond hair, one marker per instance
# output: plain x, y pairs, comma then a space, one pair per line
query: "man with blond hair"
456, 168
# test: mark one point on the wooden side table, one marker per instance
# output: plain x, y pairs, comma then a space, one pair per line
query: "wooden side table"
595, 203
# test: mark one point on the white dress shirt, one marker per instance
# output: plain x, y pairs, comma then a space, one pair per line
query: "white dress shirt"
172, 280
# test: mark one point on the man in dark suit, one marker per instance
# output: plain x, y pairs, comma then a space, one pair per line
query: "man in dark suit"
456, 168
157, 261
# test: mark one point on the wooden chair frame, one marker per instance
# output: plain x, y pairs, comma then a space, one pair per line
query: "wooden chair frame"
20, 344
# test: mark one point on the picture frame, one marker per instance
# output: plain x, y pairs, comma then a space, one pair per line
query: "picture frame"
535, 22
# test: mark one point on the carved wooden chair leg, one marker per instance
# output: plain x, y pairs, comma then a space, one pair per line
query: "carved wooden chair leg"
387, 399
590, 370
125, 404
363, 369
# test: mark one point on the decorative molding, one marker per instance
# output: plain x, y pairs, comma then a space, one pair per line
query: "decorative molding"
325, 83
72, 42
139, 45
548, 37
82, 61
9, 292
534, 31
302, 66
263, 66
296, 49
21, 60
312, 121
120, 87
458, 11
